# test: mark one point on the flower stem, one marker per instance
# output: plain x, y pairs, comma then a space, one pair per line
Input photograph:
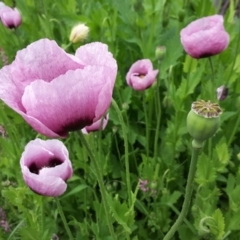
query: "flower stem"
188, 194
158, 111
234, 130
125, 149
146, 124
100, 182
64, 219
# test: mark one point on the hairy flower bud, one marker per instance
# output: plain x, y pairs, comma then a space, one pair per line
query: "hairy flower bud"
160, 52
79, 33
203, 121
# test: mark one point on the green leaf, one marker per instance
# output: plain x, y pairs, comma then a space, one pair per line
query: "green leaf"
121, 213
206, 172
218, 229
75, 190
223, 156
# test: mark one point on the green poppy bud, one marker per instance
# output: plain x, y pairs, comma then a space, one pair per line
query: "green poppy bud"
160, 52
203, 121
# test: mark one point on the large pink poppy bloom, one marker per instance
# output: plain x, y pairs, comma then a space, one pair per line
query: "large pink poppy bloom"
141, 75
46, 167
205, 37
10, 18
98, 125
56, 92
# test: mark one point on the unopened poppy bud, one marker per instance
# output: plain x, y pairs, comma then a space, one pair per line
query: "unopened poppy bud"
79, 33
160, 52
203, 121
222, 93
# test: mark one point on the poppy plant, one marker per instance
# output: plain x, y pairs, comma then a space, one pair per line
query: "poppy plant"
141, 75
56, 92
205, 37
46, 167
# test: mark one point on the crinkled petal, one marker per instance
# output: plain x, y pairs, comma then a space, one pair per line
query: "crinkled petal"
96, 53
50, 180
78, 108
141, 67
11, 19
205, 37
44, 185
140, 84
100, 124
43, 59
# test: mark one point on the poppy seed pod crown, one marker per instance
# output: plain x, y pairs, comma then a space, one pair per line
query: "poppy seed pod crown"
203, 121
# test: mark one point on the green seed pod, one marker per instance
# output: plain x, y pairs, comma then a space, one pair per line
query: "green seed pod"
203, 121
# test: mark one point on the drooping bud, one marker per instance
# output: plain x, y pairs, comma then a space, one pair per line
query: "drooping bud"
79, 33
203, 121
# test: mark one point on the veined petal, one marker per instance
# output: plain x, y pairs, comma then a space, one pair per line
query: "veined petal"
78, 108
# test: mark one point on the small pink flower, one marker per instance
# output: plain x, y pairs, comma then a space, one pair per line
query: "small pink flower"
98, 125
143, 185
141, 75
222, 93
10, 18
46, 166
56, 92
205, 37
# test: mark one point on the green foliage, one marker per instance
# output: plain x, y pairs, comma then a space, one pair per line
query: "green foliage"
132, 29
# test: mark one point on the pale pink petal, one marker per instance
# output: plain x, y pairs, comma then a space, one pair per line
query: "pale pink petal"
78, 107
141, 75
11, 19
140, 84
45, 167
44, 185
141, 67
205, 37
96, 53
43, 59
96, 126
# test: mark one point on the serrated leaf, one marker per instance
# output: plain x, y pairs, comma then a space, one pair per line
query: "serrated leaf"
121, 213
189, 84
127, 94
218, 229
206, 172
222, 154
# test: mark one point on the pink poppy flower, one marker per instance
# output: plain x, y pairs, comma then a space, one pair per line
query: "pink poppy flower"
10, 18
205, 37
141, 75
45, 167
56, 92
98, 125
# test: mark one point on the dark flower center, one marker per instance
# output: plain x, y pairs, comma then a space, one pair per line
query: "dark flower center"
139, 75
33, 168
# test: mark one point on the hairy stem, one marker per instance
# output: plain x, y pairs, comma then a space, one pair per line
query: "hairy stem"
188, 194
